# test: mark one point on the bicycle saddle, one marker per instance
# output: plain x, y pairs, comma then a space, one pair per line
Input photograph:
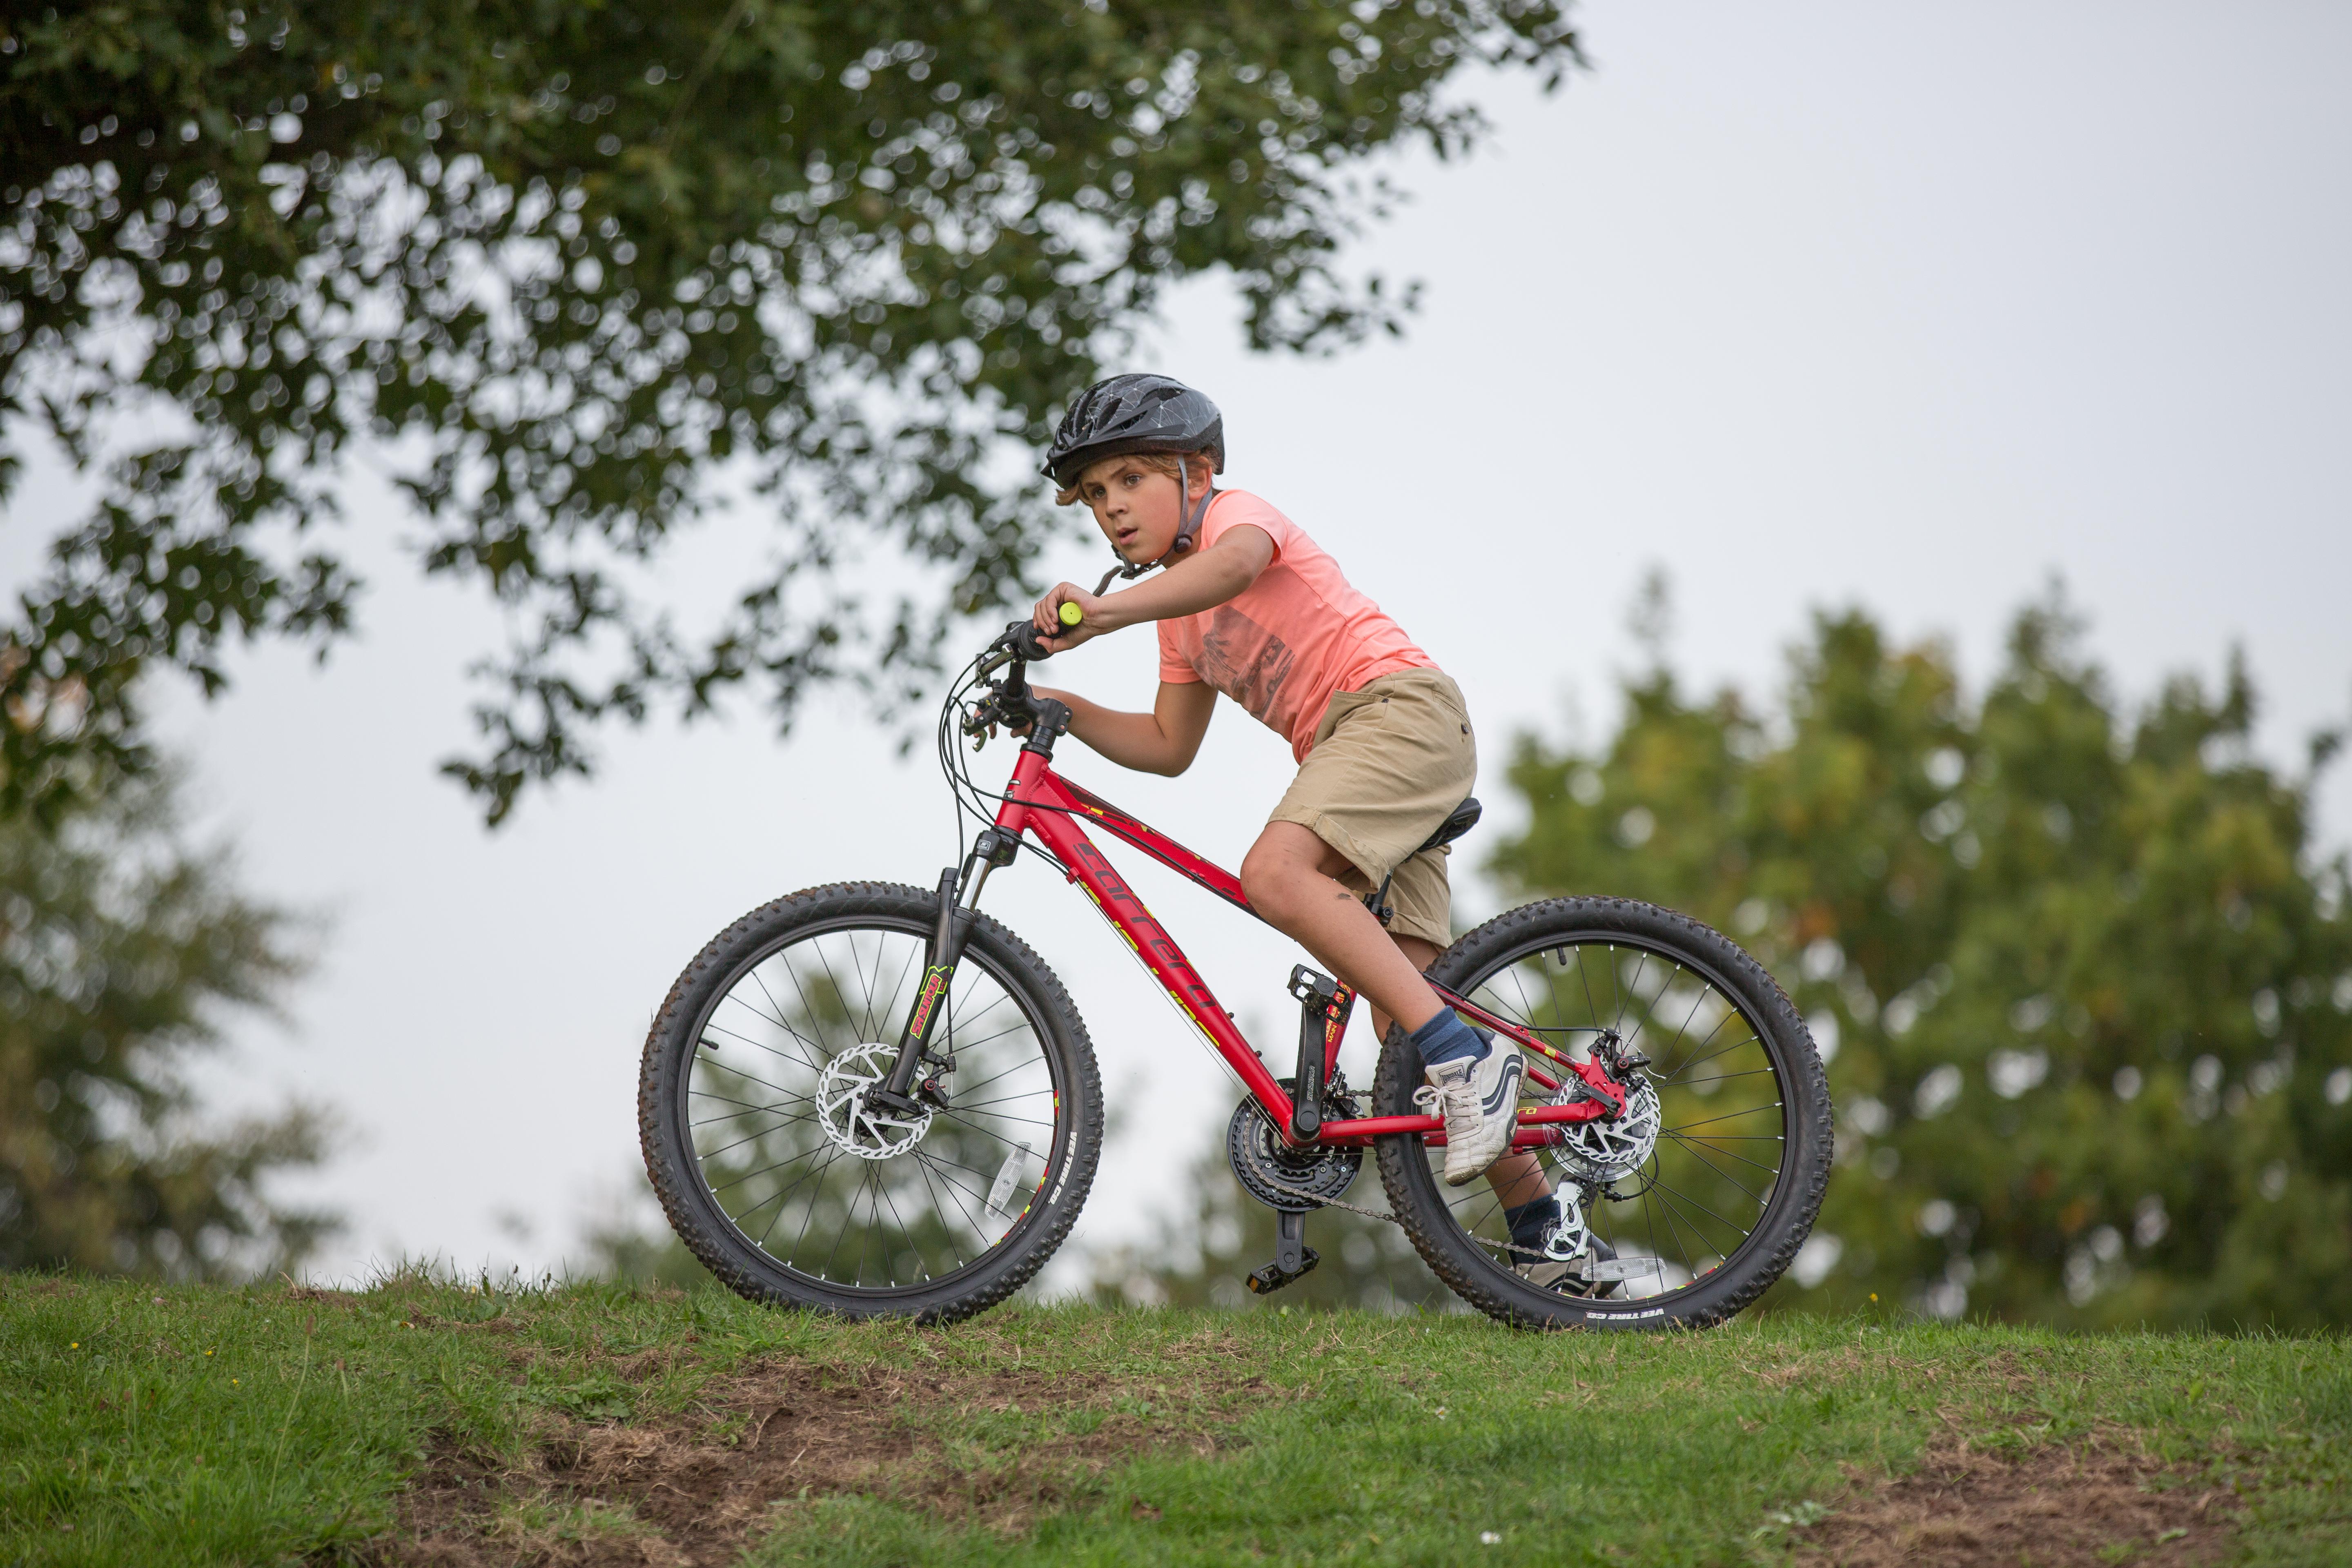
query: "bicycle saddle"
1459, 821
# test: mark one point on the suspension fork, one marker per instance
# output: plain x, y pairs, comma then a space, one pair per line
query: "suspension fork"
959, 906
959, 898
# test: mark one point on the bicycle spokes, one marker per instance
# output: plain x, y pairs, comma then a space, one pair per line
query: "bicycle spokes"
800, 1158
1677, 1184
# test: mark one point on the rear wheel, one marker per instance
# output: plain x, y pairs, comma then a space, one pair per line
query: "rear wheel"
1727, 1180
776, 1174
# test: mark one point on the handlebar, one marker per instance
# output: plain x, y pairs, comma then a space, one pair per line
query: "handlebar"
1023, 641
1011, 702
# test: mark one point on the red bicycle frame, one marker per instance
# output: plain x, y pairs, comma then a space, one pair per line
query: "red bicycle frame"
1040, 800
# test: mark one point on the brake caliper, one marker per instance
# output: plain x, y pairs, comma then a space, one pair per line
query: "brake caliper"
1617, 1142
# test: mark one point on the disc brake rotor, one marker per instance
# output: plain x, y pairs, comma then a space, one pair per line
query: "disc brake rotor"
1609, 1148
848, 1123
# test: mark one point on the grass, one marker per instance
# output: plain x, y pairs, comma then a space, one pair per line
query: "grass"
143, 1424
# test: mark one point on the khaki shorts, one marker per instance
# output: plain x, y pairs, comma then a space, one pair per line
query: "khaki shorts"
1390, 762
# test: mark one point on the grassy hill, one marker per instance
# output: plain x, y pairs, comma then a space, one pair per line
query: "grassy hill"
420, 1422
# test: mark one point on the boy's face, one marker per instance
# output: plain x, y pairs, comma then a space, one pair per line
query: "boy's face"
1138, 509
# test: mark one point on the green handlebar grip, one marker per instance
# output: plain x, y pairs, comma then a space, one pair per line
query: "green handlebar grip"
1069, 614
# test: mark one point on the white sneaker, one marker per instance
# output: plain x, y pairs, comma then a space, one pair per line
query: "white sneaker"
1570, 1276
1480, 1102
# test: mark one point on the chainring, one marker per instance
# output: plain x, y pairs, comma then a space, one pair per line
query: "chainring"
1261, 1159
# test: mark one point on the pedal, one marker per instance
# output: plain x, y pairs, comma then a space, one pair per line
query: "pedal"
1274, 1276
1312, 988
1292, 1256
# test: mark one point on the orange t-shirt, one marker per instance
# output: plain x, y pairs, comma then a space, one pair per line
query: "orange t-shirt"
1282, 646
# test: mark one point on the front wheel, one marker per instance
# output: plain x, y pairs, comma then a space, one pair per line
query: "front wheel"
1698, 1202
790, 1188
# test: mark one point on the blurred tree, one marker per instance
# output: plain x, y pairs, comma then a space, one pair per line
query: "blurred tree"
2083, 980
558, 265
120, 953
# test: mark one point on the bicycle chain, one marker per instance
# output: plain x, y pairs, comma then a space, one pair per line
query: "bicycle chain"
1382, 1214
1288, 1190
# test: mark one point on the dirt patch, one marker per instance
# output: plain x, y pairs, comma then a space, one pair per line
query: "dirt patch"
1819, 1368
298, 1291
2104, 1503
682, 1491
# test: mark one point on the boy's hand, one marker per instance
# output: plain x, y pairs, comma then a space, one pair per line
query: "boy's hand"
1199, 583
1095, 618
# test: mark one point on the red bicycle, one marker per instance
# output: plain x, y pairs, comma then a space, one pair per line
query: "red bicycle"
876, 1100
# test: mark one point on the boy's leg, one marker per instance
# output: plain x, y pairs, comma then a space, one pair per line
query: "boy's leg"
1529, 1210
1517, 1177
1291, 876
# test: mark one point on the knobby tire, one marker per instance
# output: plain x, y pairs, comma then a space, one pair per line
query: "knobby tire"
665, 1120
1472, 1272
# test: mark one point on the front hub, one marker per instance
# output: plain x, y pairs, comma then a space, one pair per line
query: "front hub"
852, 1117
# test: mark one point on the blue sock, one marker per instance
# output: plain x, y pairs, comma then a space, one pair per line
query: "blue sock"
1446, 1038
1527, 1220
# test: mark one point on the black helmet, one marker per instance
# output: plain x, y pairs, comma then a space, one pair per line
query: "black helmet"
1135, 413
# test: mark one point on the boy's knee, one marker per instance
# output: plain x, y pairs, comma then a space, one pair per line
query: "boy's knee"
1263, 881
1287, 865
1272, 875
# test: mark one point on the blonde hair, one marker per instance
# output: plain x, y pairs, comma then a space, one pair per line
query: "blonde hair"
1157, 462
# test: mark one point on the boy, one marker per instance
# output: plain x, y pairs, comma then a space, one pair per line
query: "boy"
1248, 605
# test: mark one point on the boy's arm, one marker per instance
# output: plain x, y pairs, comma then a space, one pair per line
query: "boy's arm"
1192, 585
1163, 741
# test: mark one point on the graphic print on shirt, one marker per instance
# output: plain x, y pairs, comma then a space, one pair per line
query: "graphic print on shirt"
1226, 662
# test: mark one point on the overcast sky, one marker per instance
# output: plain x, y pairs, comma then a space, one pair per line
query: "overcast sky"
1905, 306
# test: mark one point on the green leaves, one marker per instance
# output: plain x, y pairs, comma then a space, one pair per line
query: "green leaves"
577, 272
2085, 982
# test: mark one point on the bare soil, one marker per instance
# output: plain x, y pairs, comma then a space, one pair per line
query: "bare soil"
2054, 1507
692, 1489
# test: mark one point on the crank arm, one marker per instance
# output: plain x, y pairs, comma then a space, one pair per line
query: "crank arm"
1292, 1256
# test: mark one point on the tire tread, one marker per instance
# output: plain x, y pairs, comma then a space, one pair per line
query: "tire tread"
724, 954
1811, 1152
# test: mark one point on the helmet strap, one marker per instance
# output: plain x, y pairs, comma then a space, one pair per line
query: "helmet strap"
1192, 516
1187, 530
